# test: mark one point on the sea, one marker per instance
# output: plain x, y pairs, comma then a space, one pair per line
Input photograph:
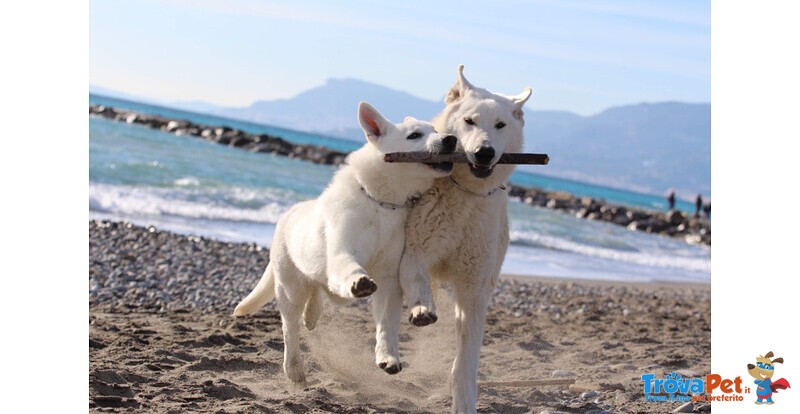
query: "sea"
195, 187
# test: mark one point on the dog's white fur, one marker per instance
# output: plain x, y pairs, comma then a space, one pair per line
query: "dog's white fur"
460, 235
338, 243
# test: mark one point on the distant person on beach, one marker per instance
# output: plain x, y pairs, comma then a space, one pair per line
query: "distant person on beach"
698, 205
707, 210
671, 200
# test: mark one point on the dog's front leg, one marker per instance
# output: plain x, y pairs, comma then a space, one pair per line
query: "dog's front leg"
387, 307
471, 303
346, 276
416, 285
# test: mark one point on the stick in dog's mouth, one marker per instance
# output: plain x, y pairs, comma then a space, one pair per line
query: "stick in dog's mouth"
440, 166
461, 158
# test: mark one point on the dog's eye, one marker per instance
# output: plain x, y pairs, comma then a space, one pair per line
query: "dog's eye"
500, 125
469, 121
415, 135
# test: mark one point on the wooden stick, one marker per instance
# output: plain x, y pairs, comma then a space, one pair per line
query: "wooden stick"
460, 157
527, 383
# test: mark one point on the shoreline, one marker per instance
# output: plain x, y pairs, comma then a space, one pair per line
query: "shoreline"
161, 339
674, 223
607, 283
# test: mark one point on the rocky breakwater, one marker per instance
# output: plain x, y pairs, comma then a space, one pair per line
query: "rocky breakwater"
224, 135
674, 223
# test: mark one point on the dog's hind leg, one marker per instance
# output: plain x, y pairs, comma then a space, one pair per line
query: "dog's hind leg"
387, 307
292, 298
471, 302
416, 286
313, 309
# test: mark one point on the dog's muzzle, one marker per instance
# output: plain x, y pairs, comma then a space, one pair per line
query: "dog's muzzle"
482, 166
446, 146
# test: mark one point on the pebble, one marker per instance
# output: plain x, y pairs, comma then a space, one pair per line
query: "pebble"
588, 394
158, 271
560, 373
624, 367
685, 408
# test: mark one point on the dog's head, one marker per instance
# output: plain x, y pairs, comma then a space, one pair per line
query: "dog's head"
764, 367
410, 135
487, 124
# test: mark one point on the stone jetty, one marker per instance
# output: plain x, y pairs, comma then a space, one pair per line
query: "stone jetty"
695, 230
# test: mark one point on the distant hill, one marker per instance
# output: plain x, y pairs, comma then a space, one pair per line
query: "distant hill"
647, 147
644, 147
328, 109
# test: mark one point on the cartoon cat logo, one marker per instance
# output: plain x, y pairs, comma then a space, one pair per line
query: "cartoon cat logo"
763, 371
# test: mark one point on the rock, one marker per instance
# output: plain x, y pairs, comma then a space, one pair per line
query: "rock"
589, 395
685, 408
173, 125
559, 373
693, 239
555, 204
636, 225
623, 367
675, 217
579, 388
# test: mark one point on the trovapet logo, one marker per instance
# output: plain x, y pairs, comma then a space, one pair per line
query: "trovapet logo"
763, 371
716, 388
673, 388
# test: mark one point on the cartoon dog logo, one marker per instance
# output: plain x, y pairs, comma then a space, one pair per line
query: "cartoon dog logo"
763, 371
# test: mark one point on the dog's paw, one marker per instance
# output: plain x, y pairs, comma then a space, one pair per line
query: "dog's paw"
421, 316
363, 287
295, 373
391, 368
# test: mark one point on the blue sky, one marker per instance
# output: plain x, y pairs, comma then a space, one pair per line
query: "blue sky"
578, 56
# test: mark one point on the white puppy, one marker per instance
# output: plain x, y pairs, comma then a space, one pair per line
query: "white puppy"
348, 242
459, 231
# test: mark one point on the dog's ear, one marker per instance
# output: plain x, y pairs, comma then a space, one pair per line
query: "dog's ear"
372, 122
769, 355
459, 89
519, 102
778, 360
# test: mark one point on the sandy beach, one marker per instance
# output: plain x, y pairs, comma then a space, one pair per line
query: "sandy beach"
162, 339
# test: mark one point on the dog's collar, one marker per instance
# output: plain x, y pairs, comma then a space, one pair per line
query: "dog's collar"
468, 191
410, 202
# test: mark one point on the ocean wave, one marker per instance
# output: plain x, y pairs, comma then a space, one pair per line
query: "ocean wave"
686, 258
187, 182
189, 201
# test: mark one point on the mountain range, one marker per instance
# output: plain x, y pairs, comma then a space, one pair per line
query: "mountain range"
645, 147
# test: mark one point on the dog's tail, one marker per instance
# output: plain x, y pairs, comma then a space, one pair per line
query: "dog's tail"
261, 294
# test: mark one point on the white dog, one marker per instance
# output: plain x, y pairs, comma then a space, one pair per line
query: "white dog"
458, 233
348, 242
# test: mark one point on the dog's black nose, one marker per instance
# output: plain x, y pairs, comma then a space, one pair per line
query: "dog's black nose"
449, 143
750, 366
484, 155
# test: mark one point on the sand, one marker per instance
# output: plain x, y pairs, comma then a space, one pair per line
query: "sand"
200, 359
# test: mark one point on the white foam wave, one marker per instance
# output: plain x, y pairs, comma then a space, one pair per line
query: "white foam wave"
690, 260
187, 182
232, 204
